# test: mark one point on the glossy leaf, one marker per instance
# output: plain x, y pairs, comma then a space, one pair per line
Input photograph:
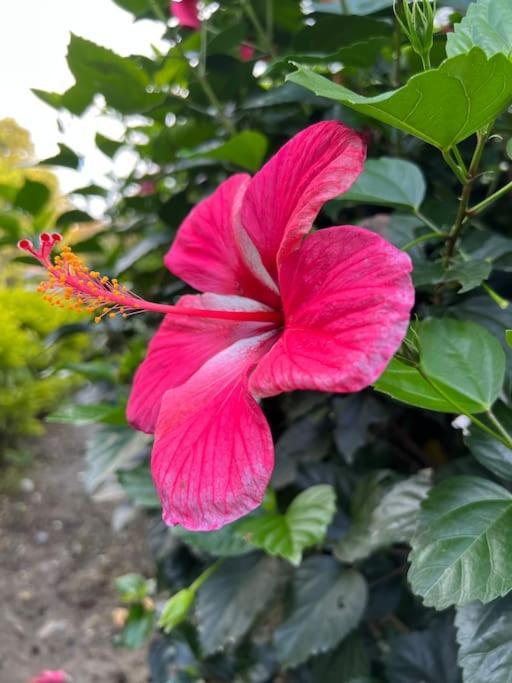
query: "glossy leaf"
390, 182
462, 550
328, 604
382, 514
483, 634
441, 106
304, 524
230, 600
488, 25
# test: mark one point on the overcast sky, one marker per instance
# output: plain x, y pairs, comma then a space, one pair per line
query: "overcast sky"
33, 41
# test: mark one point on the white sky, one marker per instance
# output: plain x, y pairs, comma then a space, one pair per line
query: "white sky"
33, 43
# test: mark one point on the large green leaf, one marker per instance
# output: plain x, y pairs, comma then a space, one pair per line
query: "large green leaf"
461, 368
304, 524
382, 514
488, 25
488, 451
390, 182
464, 360
462, 550
441, 106
32, 197
329, 602
230, 600
484, 633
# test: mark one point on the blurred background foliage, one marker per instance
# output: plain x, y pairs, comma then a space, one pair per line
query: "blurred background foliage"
359, 465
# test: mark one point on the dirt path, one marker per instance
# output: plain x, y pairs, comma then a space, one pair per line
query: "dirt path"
58, 560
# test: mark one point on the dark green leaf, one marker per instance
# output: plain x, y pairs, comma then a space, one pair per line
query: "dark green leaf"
470, 274
354, 415
230, 600
350, 662
442, 106
222, 543
304, 524
32, 197
484, 634
65, 157
329, 602
382, 514
246, 149
462, 550
106, 145
390, 182
488, 451
74, 216
427, 656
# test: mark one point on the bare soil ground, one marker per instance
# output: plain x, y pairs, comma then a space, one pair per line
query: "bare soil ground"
58, 560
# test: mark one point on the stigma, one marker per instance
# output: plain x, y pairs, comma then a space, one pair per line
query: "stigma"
71, 284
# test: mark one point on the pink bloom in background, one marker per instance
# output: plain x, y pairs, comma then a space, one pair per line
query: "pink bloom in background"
340, 300
246, 52
283, 310
51, 677
185, 11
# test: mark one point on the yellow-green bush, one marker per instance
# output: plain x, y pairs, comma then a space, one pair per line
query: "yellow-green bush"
31, 382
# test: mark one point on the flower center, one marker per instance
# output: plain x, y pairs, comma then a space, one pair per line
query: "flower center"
73, 285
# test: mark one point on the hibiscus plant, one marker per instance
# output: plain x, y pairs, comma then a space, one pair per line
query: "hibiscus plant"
303, 349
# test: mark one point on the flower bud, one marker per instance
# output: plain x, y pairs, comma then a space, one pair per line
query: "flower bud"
416, 19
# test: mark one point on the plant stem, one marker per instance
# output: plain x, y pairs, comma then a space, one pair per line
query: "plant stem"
502, 303
482, 206
157, 11
459, 159
424, 238
467, 187
492, 417
249, 10
429, 223
453, 165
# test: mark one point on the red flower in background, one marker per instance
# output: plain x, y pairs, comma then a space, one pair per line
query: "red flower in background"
51, 677
283, 310
185, 11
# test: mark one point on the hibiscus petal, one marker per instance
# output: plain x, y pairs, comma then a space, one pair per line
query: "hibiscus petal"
283, 199
213, 454
185, 11
347, 295
211, 252
180, 347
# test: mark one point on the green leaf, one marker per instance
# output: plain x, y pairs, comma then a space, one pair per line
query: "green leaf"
382, 514
73, 216
224, 542
488, 25
138, 486
176, 609
470, 274
109, 449
138, 629
65, 157
464, 360
106, 145
230, 600
508, 337
428, 656
328, 603
353, 6
488, 451
390, 182
89, 414
350, 662
405, 383
462, 549
32, 197
484, 634
121, 80
246, 149
441, 106
304, 524
133, 587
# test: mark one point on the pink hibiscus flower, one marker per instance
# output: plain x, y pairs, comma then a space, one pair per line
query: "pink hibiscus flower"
282, 311
51, 677
185, 11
